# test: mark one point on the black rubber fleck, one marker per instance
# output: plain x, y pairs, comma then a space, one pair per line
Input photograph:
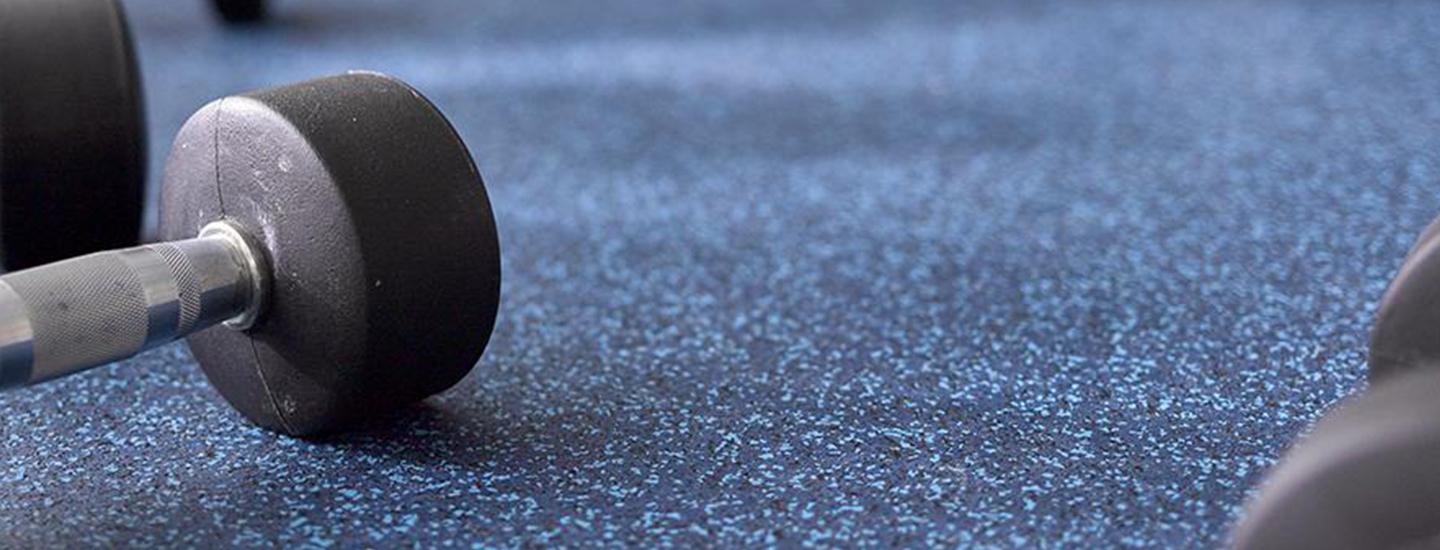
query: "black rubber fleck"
379, 233
72, 140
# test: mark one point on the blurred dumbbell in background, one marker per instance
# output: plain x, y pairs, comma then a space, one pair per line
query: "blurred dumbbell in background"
72, 136
72, 127
241, 11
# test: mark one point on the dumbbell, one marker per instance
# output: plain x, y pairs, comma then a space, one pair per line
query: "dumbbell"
72, 130
72, 139
1368, 474
331, 254
241, 11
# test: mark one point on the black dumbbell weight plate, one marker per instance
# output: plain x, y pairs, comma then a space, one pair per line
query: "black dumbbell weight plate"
72, 140
379, 235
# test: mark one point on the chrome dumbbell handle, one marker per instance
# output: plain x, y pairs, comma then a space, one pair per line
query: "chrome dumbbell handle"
65, 317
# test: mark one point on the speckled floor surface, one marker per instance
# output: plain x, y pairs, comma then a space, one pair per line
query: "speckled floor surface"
815, 272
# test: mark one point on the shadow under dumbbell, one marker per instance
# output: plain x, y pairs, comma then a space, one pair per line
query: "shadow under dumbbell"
424, 434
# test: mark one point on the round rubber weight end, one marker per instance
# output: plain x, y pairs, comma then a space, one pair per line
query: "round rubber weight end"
379, 233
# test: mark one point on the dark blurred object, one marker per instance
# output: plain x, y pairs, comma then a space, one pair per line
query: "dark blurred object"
1365, 477
241, 11
72, 139
1403, 338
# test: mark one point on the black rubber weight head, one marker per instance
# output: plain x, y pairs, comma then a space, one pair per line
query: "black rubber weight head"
379, 234
241, 11
72, 140
1406, 335
1366, 477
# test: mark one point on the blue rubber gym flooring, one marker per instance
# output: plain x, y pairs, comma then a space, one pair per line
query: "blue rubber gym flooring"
831, 273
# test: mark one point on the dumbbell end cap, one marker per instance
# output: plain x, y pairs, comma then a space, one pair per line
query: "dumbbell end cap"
383, 254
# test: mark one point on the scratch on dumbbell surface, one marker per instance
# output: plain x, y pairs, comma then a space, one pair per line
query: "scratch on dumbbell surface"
215, 138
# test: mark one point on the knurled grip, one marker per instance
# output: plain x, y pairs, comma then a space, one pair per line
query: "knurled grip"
89, 310
71, 315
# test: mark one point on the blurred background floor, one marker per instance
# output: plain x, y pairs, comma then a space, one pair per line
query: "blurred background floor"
904, 272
